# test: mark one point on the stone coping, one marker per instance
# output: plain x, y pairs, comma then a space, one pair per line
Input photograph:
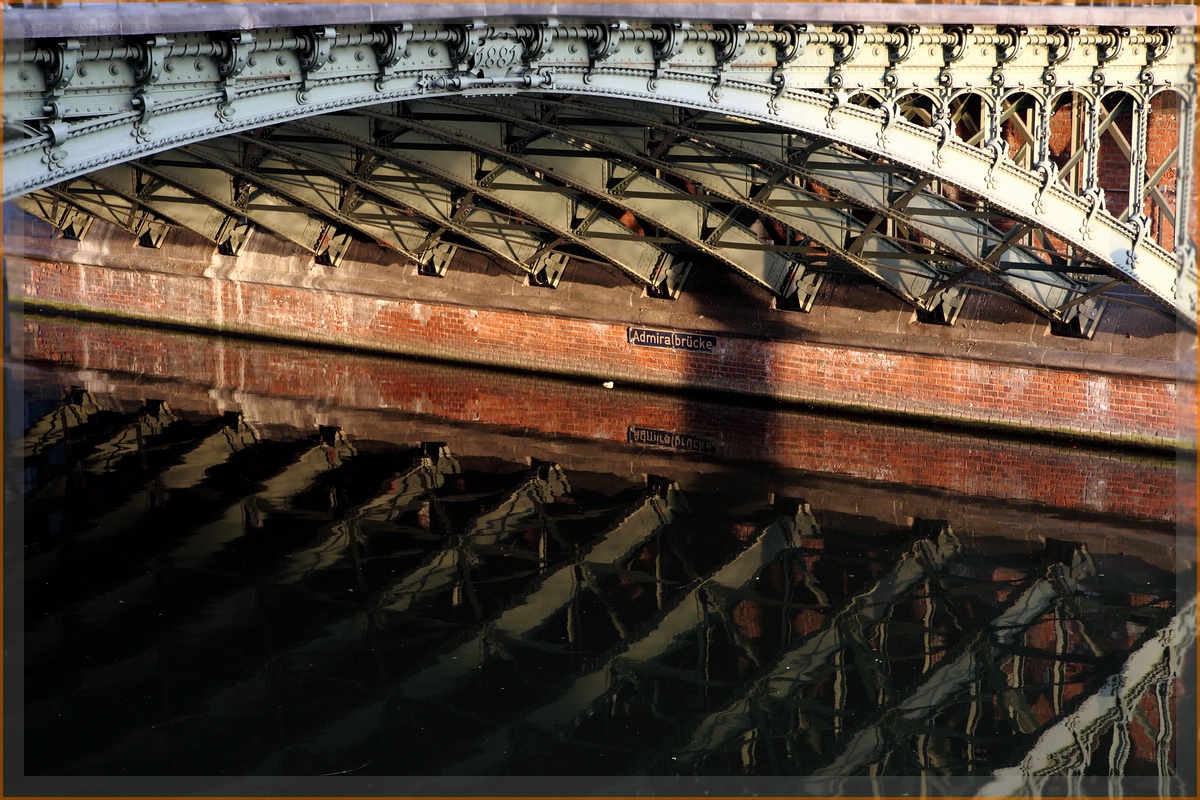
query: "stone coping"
127, 19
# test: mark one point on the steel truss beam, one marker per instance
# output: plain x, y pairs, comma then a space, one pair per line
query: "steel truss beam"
603, 175
75, 105
451, 206
568, 216
737, 156
403, 209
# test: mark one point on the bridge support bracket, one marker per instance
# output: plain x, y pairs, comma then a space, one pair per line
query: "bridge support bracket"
436, 260
1080, 320
800, 289
945, 307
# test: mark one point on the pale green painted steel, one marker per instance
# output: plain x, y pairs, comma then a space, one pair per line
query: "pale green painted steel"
330, 163
758, 154
397, 207
571, 218
79, 104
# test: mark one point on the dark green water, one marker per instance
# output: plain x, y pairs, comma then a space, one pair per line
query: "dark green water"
248, 593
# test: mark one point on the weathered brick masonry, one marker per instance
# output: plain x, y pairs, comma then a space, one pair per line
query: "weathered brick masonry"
1137, 409
230, 374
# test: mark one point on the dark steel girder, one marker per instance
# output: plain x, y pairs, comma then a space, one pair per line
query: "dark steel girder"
57, 210
179, 203
105, 200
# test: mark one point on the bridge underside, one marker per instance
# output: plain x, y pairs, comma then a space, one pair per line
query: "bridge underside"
1044, 165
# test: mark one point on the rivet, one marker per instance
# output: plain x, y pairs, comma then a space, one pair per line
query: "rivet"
432, 51
332, 58
280, 60
113, 69
169, 67
251, 61
359, 55
199, 65
82, 71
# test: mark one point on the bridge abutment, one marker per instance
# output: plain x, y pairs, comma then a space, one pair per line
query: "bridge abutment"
859, 351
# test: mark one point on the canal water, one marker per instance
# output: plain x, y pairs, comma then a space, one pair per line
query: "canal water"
249, 559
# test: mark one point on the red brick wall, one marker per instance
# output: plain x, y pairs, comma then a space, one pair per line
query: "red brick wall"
1032, 398
960, 463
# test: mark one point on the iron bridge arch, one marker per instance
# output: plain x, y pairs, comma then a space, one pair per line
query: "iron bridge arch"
929, 157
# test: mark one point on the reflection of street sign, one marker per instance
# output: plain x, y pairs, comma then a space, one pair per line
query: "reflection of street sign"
676, 441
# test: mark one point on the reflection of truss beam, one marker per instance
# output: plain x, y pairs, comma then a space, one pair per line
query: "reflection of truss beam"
810, 660
188, 473
400, 494
952, 677
553, 594
129, 440
672, 631
1066, 748
523, 508
54, 426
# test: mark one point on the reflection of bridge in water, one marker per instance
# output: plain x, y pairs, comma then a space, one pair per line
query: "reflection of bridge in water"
218, 591
980, 215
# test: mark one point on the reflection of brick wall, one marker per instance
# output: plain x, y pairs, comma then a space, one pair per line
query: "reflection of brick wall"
1057, 476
